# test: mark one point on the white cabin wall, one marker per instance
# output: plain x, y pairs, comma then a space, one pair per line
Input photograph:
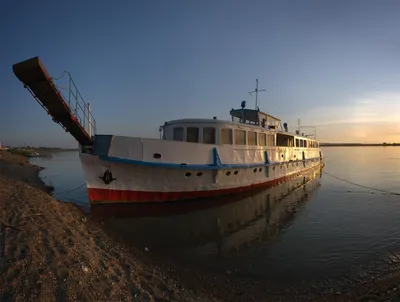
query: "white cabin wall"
178, 152
126, 147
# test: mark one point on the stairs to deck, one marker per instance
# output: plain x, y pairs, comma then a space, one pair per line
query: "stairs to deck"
73, 114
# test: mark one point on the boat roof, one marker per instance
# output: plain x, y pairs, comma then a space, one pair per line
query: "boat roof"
215, 121
251, 114
199, 121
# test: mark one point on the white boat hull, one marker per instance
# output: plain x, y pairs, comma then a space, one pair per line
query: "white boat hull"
131, 179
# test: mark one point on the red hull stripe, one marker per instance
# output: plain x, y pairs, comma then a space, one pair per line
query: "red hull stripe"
109, 196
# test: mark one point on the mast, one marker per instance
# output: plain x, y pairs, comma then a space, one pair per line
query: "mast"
256, 91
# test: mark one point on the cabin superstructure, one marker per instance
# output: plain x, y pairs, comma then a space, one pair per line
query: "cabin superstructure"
255, 117
248, 127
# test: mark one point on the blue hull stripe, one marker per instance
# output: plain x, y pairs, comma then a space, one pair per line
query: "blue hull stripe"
195, 166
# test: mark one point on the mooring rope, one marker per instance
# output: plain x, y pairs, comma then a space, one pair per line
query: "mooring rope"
360, 185
74, 189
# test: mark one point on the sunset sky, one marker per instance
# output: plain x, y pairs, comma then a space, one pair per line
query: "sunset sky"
333, 64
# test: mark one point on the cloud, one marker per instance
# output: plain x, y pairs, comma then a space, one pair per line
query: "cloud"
360, 132
369, 118
378, 107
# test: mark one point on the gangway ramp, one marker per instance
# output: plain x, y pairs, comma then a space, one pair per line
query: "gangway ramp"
72, 114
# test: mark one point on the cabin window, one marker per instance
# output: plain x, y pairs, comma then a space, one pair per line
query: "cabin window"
226, 136
270, 140
240, 137
284, 140
192, 134
305, 144
178, 134
252, 138
209, 135
261, 139
297, 142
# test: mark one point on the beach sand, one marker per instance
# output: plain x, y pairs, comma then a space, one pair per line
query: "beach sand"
51, 251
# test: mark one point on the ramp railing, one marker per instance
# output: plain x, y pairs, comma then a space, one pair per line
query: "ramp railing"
70, 111
77, 104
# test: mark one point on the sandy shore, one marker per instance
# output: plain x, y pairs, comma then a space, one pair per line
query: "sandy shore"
52, 251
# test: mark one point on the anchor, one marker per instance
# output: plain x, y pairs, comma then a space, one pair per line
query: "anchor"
107, 177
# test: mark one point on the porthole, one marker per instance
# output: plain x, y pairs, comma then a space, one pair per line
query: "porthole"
228, 173
259, 170
187, 174
273, 168
199, 174
255, 170
157, 155
236, 172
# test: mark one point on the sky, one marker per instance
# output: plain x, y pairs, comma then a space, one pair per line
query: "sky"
332, 64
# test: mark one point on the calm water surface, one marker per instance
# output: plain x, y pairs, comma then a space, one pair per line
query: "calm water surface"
291, 233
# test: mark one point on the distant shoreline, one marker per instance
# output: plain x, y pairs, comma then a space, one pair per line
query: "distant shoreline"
38, 152
357, 145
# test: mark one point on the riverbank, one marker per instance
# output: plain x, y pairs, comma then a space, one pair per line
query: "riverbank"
50, 250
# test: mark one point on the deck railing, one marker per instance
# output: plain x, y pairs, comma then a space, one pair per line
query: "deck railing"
78, 106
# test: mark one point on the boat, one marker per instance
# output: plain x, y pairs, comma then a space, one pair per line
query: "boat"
193, 158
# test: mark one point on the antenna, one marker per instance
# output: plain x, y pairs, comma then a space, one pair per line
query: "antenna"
256, 91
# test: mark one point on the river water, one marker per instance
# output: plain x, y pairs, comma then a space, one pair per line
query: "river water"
320, 226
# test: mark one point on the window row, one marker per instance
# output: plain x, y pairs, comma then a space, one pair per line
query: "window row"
306, 144
240, 137
193, 134
243, 137
228, 136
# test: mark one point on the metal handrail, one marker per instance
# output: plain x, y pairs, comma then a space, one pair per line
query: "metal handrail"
79, 107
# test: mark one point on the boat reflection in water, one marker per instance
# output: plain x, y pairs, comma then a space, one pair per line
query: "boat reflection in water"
210, 227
